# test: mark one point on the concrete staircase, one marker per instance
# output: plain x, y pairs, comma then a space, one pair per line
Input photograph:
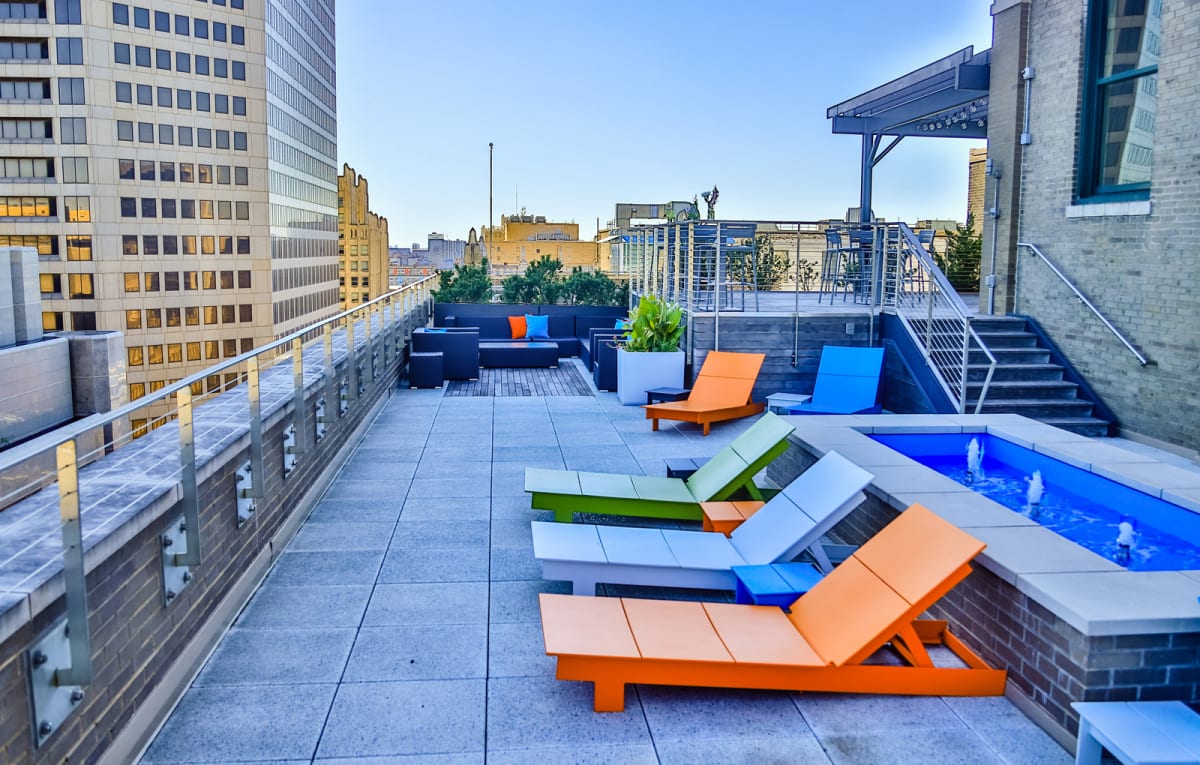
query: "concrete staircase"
1027, 380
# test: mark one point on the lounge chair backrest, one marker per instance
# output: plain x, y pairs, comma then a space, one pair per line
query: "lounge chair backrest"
797, 516
883, 586
726, 379
847, 378
717, 478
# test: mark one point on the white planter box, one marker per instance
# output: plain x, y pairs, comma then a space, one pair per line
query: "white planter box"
640, 372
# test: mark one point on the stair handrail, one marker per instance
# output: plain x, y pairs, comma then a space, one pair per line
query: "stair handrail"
956, 313
1033, 248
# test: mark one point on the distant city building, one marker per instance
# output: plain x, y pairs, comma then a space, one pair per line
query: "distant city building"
976, 181
523, 239
363, 252
139, 161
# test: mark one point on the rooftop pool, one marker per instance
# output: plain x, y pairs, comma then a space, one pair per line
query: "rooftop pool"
1083, 507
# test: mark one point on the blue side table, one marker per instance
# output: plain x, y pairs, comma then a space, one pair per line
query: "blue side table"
777, 584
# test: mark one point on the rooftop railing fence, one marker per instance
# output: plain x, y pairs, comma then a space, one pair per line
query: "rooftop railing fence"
343, 355
710, 266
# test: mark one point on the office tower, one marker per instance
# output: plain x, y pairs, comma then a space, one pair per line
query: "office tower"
174, 165
362, 242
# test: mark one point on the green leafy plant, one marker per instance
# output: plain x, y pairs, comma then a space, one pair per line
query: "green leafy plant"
541, 283
960, 261
465, 284
654, 325
763, 266
806, 275
593, 288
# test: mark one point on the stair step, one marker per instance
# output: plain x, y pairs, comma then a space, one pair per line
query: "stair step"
1041, 390
1036, 408
994, 340
998, 324
1084, 426
1008, 356
977, 372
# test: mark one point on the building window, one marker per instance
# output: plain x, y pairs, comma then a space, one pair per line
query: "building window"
146, 169
124, 130
181, 24
183, 62
153, 318
52, 321
133, 319
162, 21
24, 90
129, 244
146, 132
121, 53
77, 209
141, 17
70, 90
145, 95
165, 97
28, 207
149, 207
67, 12
70, 50
141, 55
1120, 99
74, 130
162, 59
239, 70
124, 93
120, 14
51, 284
79, 247
80, 285
83, 321
24, 49
133, 282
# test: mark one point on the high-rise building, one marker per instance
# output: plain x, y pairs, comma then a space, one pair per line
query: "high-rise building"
362, 242
174, 166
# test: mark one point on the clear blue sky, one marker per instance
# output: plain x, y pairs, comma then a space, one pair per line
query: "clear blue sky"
593, 103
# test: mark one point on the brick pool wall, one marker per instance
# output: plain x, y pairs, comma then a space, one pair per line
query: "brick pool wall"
1049, 662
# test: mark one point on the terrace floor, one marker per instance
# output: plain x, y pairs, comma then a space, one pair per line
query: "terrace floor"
401, 624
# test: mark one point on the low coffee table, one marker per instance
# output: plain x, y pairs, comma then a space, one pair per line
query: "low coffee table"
518, 354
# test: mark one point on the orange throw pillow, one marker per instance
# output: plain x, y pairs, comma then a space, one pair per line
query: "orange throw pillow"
517, 323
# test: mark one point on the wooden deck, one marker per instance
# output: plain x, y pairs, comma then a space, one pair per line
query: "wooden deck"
563, 380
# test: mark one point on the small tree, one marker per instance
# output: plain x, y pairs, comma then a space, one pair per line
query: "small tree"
961, 260
465, 284
541, 283
762, 262
806, 274
592, 288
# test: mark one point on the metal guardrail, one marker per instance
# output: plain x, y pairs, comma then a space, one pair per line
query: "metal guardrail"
910, 284
61, 662
1034, 250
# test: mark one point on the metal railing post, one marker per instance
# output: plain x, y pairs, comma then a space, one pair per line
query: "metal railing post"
257, 471
74, 576
351, 362
368, 347
966, 351
187, 467
299, 411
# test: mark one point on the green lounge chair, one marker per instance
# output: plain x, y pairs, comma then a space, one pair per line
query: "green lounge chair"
733, 468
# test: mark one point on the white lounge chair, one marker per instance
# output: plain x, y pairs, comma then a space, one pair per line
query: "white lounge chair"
794, 520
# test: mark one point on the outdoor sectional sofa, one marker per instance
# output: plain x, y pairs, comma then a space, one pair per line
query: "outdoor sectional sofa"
568, 326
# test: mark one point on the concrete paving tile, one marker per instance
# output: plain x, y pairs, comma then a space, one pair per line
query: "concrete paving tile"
520, 439
510, 532
633, 754
342, 536
408, 717
829, 714
516, 506
897, 747
282, 722
528, 456
357, 470
305, 607
615, 459
445, 509
457, 758
326, 567
355, 488
1012, 736
444, 469
367, 455
278, 657
434, 564
425, 652
508, 478
357, 510
465, 450
447, 533
462, 486
517, 601
516, 649
520, 707
679, 714
428, 603
743, 750
510, 563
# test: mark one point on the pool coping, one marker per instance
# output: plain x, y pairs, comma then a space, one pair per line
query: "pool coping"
1094, 595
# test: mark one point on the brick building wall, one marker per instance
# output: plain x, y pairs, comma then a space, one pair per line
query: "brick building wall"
1049, 662
1139, 268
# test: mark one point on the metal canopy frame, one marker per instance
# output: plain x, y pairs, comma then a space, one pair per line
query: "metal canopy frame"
945, 99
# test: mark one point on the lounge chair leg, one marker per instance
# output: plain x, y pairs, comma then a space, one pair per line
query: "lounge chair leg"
610, 696
706, 428
654, 425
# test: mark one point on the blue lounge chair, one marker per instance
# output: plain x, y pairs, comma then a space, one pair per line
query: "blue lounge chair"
847, 382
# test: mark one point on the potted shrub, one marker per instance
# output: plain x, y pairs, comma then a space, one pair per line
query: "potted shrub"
650, 356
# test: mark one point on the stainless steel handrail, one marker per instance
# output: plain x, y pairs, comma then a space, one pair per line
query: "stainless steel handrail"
1033, 248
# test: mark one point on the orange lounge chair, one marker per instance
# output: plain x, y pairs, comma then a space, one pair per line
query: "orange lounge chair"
721, 392
871, 600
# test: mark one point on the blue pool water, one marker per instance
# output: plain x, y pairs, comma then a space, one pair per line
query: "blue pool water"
1081, 506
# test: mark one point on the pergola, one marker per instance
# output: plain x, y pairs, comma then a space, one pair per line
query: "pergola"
945, 99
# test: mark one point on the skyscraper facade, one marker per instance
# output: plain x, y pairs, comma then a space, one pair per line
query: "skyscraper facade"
174, 165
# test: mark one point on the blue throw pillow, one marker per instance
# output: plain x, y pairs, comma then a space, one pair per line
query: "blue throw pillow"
537, 326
